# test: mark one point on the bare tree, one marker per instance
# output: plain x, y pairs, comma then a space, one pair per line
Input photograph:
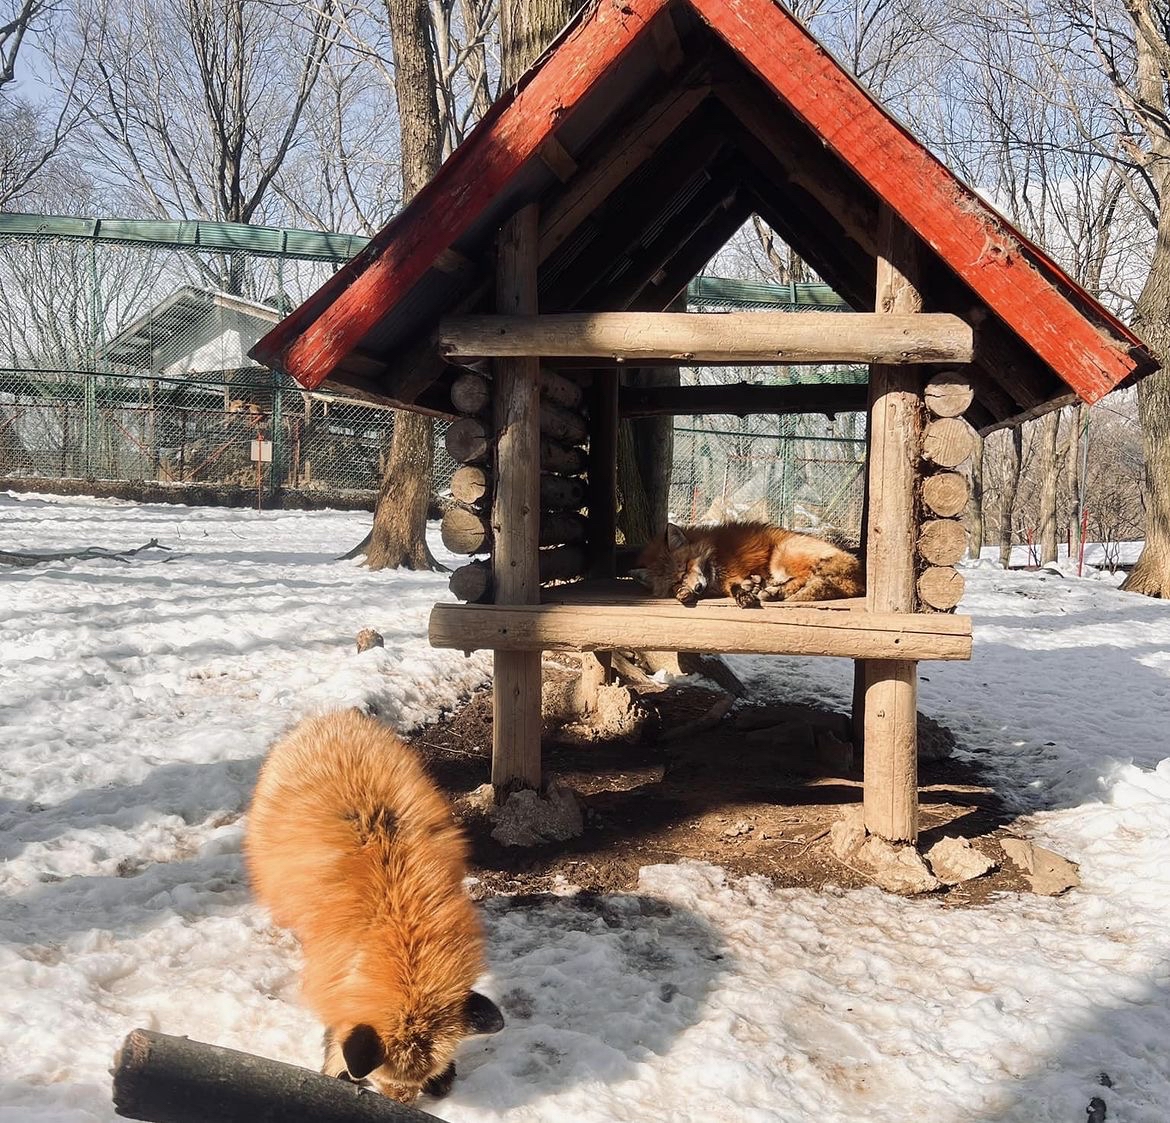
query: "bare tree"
1013, 463
398, 535
194, 105
32, 134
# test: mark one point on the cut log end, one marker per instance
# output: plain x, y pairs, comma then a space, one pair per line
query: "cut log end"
941, 587
945, 494
949, 394
942, 541
947, 442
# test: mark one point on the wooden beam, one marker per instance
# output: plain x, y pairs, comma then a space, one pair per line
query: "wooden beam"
618, 157
627, 215
669, 284
829, 216
718, 197
1090, 349
312, 343
891, 687
749, 337
742, 399
707, 628
556, 157
516, 679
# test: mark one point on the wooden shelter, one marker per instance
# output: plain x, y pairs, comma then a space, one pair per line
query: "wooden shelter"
552, 241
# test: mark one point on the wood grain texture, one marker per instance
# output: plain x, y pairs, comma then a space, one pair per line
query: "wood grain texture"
947, 442
942, 541
754, 337
949, 393
941, 587
890, 726
515, 517
946, 494
706, 628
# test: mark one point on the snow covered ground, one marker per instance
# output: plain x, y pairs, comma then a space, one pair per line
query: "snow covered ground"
137, 698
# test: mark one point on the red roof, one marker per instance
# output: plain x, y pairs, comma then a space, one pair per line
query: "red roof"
791, 135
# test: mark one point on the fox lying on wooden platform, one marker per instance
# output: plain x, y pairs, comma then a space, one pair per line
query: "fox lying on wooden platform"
351, 845
750, 561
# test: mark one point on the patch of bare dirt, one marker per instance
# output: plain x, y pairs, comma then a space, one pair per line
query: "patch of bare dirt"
746, 803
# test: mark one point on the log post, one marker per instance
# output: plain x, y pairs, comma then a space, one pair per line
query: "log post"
167, 1079
891, 686
602, 494
516, 717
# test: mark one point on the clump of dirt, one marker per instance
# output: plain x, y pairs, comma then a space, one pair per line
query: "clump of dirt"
730, 795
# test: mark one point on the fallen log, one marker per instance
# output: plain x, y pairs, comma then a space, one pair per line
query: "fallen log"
164, 1079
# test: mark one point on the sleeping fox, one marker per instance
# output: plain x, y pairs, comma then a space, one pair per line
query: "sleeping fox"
750, 561
351, 846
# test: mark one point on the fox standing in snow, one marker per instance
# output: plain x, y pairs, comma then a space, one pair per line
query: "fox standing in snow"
750, 561
351, 846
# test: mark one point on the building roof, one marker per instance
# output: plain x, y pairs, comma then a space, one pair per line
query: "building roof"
648, 132
178, 326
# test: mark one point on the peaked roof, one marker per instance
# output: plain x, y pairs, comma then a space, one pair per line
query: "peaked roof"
649, 131
176, 326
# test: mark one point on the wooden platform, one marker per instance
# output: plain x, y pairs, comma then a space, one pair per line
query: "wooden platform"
602, 616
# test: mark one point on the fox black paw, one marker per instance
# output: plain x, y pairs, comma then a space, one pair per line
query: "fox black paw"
439, 1086
747, 599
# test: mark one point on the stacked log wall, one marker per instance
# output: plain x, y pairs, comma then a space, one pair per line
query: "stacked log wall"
564, 484
947, 443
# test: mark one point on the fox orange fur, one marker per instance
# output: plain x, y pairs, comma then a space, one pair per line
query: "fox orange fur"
750, 561
351, 845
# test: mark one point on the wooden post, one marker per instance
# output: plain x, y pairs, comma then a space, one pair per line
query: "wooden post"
891, 687
516, 515
602, 494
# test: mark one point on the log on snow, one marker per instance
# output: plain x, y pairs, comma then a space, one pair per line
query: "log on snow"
166, 1079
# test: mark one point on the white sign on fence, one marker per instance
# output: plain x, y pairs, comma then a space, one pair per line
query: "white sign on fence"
262, 451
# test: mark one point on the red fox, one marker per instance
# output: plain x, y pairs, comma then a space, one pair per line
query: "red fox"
749, 561
351, 846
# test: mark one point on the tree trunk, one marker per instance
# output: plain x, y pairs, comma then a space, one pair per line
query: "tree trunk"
398, 536
1049, 479
1151, 575
975, 503
1014, 455
1078, 417
526, 28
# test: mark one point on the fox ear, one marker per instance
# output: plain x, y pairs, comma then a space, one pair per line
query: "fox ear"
483, 1015
363, 1051
675, 539
641, 575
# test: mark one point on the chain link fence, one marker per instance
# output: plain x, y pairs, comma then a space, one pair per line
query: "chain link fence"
243, 434
128, 361
124, 357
